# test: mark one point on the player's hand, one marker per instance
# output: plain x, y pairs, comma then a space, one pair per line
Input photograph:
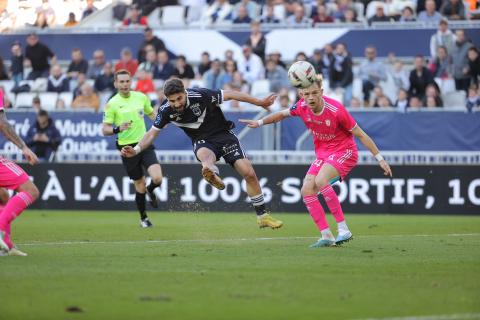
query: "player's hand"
265, 103
250, 123
125, 126
386, 168
128, 152
29, 155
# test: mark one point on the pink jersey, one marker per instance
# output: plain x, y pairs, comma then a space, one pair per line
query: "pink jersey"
331, 129
1, 100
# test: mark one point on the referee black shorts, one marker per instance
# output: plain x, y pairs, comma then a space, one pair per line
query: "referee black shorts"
224, 145
136, 165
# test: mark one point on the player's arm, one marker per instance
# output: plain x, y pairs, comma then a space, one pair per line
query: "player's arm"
244, 97
108, 129
146, 142
372, 147
272, 118
7, 130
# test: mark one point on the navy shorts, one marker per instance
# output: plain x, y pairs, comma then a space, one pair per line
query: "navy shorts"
224, 145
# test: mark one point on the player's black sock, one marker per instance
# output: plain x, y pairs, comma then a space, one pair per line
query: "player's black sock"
140, 200
259, 204
152, 186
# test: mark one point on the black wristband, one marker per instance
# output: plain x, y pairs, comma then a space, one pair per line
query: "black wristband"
116, 130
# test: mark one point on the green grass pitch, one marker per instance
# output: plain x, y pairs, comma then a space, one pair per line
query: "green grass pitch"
100, 265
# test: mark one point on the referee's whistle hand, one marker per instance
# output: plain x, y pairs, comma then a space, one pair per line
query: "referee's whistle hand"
125, 126
127, 152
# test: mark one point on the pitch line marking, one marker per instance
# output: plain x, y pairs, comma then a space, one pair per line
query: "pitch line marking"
234, 239
458, 316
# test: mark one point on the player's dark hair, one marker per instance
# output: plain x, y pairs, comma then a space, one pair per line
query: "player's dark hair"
119, 72
42, 113
173, 86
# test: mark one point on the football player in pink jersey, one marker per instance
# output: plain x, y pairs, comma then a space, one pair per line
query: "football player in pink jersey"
333, 130
14, 178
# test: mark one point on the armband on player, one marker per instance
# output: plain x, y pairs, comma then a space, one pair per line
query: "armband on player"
116, 130
379, 157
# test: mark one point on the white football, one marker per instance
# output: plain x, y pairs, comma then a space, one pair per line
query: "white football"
302, 74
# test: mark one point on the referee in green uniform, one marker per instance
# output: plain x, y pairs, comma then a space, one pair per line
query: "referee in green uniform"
124, 117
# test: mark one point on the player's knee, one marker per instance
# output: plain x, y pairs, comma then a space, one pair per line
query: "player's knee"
307, 190
250, 175
33, 191
320, 183
157, 179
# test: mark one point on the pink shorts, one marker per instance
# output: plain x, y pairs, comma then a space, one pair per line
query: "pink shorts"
344, 161
11, 175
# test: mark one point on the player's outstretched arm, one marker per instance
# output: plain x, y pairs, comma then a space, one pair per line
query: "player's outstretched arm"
372, 147
146, 142
244, 97
272, 118
9, 133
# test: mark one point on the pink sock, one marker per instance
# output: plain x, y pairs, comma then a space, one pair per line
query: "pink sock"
332, 202
316, 211
14, 208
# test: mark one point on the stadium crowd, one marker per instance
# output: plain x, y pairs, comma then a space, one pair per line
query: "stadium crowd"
451, 72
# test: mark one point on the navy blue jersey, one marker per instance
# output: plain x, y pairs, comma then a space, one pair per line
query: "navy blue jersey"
202, 116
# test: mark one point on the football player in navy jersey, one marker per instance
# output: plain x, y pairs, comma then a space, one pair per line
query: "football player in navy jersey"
197, 112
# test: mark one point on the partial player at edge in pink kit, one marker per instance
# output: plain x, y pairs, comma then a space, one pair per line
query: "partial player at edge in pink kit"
14, 178
333, 130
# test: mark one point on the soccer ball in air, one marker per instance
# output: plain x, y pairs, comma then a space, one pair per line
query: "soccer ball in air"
301, 74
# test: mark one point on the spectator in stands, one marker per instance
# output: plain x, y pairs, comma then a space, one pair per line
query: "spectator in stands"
57, 81
205, 64
474, 65
356, 103
341, 73
443, 37
407, 15
383, 102
277, 57
371, 72
242, 16
16, 63
250, 65
453, 10
38, 55
229, 55
399, 76
150, 39
473, 98
317, 61
150, 63
284, 100
3, 70
379, 15
414, 103
419, 78
301, 56
164, 69
104, 81
77, 65
422, 3
430, 15
377, 93
7, 18
460, 61
219, 11
183, 70
269, 16
239, 83
144, 82
135, 19
256, 40
36, 104
81, 79
87, 98
40, 21
89, 9
402, 100
277, 76
97, 64
298, 18
215, 78
72, 20
327, 59
342, 7
251, 6
432, 96
127, 62
160, 97
230, 67
322, 15
45, 14
43, 137
441, 66
349, 16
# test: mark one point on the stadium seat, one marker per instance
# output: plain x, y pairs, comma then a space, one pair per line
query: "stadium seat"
359, 9
154, 18
173, 16
157, 83
445, 85
260, 88
331, 7
455, 99
279, 11
67, 98
48, 100
24, 99
194, 14
39, 85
